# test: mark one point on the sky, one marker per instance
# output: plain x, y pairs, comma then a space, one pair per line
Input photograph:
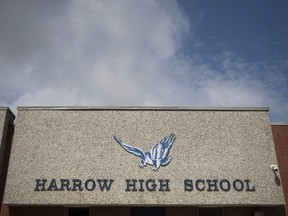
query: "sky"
224, 53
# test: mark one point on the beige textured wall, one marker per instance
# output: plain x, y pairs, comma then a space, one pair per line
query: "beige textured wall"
210, 144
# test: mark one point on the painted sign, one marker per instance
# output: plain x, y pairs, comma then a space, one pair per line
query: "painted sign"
158, 155
134, 185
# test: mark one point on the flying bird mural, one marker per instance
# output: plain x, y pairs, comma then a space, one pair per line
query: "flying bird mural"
158, 155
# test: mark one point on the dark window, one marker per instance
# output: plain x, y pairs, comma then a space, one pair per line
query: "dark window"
151, 211
78, 211
210, 212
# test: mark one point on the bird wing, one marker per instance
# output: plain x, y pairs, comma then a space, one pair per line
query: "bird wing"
134, 150
161, 149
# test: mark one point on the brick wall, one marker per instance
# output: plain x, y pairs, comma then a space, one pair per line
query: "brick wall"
126, 211
36, 210
249, 211
237, 211
280, 135
181, 211
6, 158
4, 210
277, 211
105, 211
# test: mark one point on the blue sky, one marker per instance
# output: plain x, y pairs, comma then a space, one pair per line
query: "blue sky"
254, 29
145, 53
253, 32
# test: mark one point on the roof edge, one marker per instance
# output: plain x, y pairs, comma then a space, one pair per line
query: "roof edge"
142, 108
279, 123
8, 110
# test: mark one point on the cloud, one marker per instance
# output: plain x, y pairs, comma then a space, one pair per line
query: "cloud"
114, 52
129, 53
240, 83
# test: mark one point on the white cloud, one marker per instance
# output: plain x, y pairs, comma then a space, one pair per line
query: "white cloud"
52, 97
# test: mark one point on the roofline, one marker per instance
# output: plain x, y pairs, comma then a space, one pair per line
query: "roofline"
6, 108
170, 108
279, 123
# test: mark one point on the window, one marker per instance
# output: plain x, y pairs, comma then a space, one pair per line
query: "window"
151, 211
78, 212
210, 212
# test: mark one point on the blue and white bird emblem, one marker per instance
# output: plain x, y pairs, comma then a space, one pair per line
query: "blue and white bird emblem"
158, 156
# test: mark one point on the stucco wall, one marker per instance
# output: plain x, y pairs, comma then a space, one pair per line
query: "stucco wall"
78, 144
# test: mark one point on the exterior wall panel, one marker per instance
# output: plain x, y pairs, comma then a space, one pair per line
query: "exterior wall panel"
181, 211
111, 210
280, 134
249, 211
6, 133
6, 119
78, 144
36, 210
4, 210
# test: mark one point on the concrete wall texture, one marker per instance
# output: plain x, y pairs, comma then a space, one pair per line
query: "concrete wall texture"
78, 144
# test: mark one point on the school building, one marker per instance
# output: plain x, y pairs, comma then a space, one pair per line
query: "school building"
134, 161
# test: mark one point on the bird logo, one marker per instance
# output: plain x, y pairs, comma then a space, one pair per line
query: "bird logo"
158, 156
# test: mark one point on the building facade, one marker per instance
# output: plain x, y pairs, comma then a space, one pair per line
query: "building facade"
6, 133
145, 161
280, 134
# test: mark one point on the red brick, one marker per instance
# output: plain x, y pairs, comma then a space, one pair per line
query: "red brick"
280, 135
36, 210
111, 210
4, 210
181, 211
